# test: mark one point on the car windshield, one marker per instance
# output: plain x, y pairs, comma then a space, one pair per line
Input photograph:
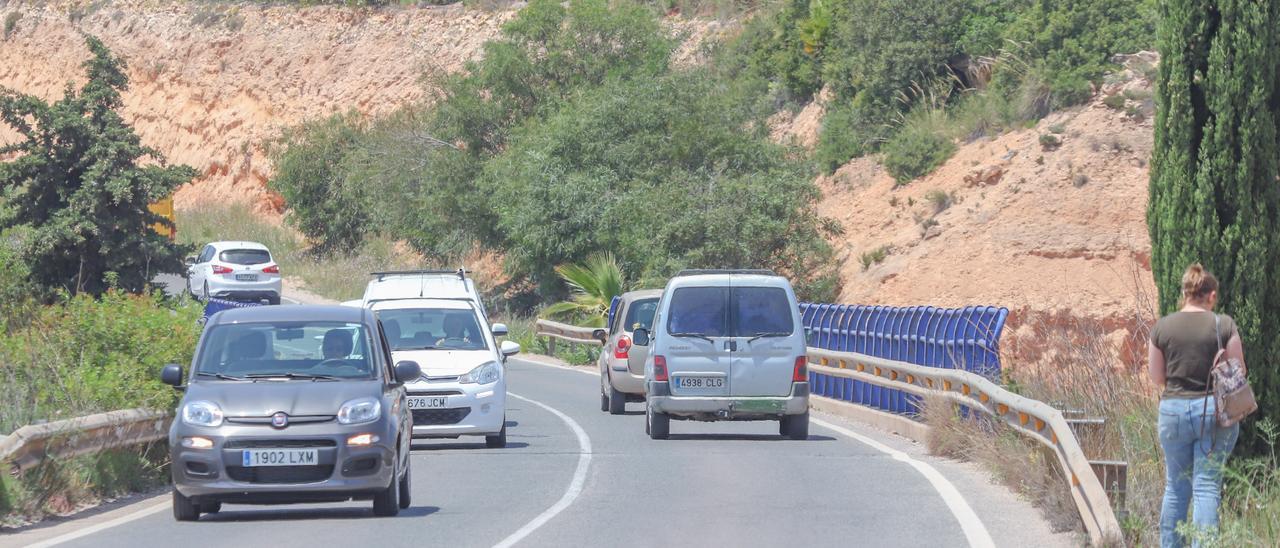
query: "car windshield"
725, 312
301, 350
640, 315
432, 329
245, 256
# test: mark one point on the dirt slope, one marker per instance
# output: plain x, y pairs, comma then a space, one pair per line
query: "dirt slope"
1056, 234
211, 83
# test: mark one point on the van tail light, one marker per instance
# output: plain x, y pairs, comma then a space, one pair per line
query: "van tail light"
219, 269
273, 269
660, 369
801, 372
623, 349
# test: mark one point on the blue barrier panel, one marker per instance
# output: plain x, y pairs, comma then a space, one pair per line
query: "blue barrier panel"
214, 306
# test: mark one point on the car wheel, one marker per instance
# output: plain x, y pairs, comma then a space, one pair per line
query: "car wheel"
797, 426
659, 424
406, 498
183, 508
617, 401
604, 400
387, 502
497, 441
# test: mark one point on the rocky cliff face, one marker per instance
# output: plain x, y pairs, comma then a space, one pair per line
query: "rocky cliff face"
212, 84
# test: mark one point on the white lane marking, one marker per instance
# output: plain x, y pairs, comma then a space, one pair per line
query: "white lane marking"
591, 371
974, 530
575, 485
103, 526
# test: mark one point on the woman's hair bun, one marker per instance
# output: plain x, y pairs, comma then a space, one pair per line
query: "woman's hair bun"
1198, 283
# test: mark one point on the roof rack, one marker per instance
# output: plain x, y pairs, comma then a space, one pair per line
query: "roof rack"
701, 271
461, 273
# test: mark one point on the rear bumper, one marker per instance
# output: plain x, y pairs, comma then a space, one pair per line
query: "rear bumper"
623, 380
728, 407
231, 289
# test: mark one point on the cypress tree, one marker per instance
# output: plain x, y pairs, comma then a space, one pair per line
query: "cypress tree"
1214, 189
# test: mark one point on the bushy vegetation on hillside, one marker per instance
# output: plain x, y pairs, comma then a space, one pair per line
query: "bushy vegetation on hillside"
573, 136
877, 55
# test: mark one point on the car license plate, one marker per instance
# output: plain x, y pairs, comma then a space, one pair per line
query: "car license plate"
280, 457
246, 277
428, 402
699, 383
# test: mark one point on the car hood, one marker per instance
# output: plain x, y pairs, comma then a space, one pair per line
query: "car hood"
295, 398
444, 363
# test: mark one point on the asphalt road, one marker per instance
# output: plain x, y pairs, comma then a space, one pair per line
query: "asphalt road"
572, 475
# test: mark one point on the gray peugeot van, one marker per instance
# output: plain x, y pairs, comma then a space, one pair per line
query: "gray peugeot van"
290, 404
726, 345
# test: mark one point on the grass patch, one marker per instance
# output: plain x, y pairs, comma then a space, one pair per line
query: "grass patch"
11, 22
341, 276
939, 200
875, 256
1114, 102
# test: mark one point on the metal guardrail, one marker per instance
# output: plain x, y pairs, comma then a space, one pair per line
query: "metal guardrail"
30, 445
565, 332
1034, 419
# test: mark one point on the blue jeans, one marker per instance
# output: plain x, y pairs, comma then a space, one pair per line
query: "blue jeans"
1195, 448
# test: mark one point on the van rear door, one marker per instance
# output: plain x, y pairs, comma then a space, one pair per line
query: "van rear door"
763, 323
698, 360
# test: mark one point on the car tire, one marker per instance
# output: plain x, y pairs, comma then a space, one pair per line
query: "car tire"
406, 496
183, 508
617, 401
386, 503
797, 426
604, 400
658, 424
499, 440
210, 507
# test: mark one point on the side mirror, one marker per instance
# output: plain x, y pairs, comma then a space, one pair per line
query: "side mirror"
600, 335
640, 337
510, 348
171, 375
500, 330
407, 371
189, 261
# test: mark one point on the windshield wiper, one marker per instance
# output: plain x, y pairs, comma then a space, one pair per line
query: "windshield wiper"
218, 376
767, 334
291, 375
694, 335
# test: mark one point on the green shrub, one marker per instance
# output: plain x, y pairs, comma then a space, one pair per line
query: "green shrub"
11, 22
311, 173
1049, 141
1114, 102
847, 132
939, 199
875, 256
915, 152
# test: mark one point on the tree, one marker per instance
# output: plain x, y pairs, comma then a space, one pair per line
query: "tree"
594, 284
79, 190
1214, 192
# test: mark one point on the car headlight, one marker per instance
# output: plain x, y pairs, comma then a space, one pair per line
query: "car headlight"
202, 413
360, 410
485, 374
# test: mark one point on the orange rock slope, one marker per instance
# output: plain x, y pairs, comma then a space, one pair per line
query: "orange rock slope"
211, 84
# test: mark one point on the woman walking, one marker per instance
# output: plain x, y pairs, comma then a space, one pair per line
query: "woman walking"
1182, 351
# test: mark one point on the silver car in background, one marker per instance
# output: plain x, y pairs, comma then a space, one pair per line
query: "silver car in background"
621, 362
237, 271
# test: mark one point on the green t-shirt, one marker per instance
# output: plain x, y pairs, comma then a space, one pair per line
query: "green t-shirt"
1186, 339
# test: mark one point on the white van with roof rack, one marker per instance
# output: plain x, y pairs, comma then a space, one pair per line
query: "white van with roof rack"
726, 345
437, 319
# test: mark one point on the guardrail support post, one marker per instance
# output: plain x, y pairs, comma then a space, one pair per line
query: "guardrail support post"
551, 345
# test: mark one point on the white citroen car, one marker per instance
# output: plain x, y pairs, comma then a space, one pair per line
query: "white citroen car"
436, 318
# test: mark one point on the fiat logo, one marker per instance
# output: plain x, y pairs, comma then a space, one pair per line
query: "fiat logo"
280, 420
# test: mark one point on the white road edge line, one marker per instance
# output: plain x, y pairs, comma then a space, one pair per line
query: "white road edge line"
575, 485
974, 530
103, 526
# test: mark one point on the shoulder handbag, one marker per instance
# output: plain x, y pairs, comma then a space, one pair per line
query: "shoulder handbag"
1229, 386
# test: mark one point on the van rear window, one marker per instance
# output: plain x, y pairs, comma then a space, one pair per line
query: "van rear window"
725, 312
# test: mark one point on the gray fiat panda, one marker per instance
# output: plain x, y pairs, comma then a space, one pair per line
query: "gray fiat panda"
726, 345
289, 404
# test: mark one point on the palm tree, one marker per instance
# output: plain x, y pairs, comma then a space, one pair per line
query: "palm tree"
594, 284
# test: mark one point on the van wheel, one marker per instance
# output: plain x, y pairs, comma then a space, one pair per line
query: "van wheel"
617, 401
406, 498
387, 502
658, 425
796, 427
497, 441
183, 508
604, 400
